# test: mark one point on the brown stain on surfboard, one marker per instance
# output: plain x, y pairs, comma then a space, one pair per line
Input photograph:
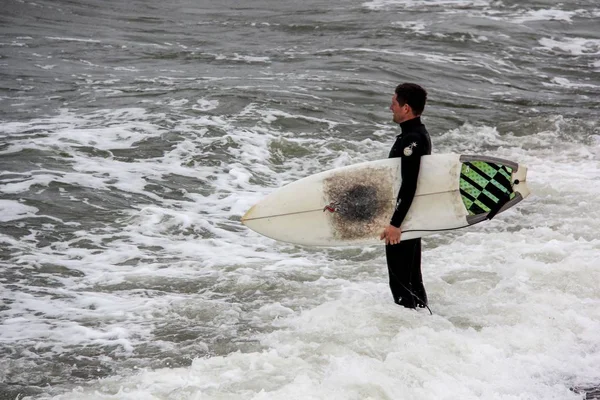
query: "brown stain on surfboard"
363, 202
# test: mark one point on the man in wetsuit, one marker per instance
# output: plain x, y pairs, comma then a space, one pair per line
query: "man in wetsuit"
404, 258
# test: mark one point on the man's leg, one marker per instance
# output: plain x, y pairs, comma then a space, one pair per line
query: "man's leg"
417, 286
399, 260
404, 268
395, 271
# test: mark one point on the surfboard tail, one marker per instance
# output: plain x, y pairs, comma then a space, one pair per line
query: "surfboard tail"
490, 185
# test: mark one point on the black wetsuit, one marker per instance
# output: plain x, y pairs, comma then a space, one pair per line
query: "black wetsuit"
404, 258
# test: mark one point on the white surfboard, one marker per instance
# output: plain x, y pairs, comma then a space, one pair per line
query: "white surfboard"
352, 205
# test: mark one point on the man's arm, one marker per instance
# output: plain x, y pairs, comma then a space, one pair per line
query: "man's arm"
410, 165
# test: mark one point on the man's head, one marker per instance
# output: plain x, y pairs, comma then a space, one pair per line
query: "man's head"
408, 102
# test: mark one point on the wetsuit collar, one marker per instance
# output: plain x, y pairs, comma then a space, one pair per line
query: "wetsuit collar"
410, 124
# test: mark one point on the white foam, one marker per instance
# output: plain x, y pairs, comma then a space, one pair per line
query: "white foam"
66, 131
14, 44
240, 57
270, 116
178, 103
205, 104
564, 82
417, 27
442, 4
11, 210
545, 15
359, 345
574, 46
70, 39
47, 67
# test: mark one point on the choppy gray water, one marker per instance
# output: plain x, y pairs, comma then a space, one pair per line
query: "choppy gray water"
135, 134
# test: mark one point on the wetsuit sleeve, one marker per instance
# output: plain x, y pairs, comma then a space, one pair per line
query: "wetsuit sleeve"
410, 163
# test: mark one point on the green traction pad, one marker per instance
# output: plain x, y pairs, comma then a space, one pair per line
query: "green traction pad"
483, 185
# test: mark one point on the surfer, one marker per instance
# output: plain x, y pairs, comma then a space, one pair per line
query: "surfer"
404, 258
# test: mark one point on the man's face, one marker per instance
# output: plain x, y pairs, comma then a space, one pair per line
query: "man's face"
400, 113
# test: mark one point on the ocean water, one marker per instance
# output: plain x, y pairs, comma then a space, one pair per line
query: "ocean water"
134, 135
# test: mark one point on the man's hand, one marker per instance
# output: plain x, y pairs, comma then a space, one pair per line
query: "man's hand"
391, 234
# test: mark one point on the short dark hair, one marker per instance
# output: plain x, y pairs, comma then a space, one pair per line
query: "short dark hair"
413, 95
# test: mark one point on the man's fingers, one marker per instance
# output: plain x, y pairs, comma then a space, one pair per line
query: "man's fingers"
390, 237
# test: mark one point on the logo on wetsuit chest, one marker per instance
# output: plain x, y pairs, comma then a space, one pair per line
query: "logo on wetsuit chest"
408, 150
